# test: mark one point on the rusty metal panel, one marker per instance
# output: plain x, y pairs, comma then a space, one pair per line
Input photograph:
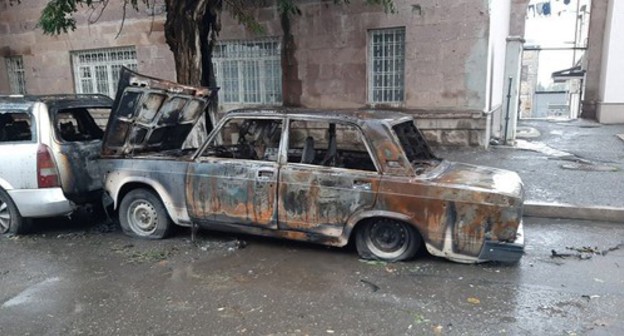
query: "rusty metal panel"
233, 191
321, 200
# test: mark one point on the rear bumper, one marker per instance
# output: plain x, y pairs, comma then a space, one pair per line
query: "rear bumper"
504, 252
47, 202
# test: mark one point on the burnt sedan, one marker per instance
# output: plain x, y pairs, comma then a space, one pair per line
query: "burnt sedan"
320, 176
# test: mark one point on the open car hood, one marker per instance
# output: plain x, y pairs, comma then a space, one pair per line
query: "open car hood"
151, 115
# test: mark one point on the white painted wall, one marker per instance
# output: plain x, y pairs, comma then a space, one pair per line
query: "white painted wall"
500, 11
499, 30
613, 55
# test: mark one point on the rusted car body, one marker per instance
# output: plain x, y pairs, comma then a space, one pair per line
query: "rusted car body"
310, 175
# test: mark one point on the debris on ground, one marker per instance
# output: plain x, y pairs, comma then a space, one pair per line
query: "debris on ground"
229, 245
144, 256
590, 297
585, 252
374, 262
374, 287
473, 300
589, 167
621, 136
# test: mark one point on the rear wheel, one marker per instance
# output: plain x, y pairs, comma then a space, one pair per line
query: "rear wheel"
387, 240
11, 222
143, 215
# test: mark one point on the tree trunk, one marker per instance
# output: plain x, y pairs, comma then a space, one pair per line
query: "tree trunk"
190, 29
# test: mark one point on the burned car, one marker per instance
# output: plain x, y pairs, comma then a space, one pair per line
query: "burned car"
319, 176
49, 146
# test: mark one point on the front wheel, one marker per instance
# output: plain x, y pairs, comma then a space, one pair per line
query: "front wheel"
11, 222
143, 215
387, 240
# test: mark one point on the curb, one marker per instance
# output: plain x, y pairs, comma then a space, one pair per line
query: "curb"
570, 211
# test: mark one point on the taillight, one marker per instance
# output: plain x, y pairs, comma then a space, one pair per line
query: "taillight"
47, 173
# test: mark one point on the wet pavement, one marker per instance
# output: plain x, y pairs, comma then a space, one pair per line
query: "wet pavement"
67, 280
576, 162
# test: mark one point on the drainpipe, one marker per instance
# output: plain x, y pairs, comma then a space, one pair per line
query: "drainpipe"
507, 112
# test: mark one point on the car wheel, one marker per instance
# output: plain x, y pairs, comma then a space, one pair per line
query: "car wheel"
143, 215
387, 240
11, 221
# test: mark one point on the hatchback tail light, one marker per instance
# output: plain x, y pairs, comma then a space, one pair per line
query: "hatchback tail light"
47, 172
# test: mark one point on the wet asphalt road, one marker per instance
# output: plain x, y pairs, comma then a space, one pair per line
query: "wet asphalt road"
71, 281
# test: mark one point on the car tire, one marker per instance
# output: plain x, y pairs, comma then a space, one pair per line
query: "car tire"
143, 215
11, 221
387, 240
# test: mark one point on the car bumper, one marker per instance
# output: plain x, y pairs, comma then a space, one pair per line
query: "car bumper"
47, 202
504, 252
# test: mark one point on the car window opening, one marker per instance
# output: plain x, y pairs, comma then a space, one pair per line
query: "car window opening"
77, 124
329, 145
247, 139
15, 127
416, 148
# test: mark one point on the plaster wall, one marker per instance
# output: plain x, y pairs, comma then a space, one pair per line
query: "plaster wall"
611, 106
593, 60
47, 61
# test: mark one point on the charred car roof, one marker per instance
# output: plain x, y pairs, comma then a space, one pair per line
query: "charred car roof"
349, 115
60, 100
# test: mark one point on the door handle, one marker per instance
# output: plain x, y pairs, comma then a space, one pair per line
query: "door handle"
362, 185
265, 174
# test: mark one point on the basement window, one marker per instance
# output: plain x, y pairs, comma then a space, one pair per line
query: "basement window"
15, 69
249, 71
97, 71
386, 77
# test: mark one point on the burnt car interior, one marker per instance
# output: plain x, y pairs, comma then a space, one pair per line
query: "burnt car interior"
77, 124
15, 127
416, 148
247, 139
328, 144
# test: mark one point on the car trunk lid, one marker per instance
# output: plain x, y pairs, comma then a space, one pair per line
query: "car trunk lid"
152, 115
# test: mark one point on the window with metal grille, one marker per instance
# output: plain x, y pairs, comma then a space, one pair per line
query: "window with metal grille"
97, 71
15, 69
249, 72
386, 83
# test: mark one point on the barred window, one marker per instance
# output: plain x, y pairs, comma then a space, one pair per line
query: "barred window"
97, 71
249, 72
15, 69
386, 82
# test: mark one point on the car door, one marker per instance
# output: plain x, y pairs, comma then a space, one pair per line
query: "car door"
234, 179
76, 141
329, 176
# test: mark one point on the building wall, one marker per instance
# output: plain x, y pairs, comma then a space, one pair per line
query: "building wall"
47, 59
593, 61
611, 104
445, 59
447, 48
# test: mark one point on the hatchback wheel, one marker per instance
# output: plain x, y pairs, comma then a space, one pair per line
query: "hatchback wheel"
142, 214
387, 240
11, 221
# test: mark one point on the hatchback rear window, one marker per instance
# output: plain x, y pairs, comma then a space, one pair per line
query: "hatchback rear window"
78, 124
15, 127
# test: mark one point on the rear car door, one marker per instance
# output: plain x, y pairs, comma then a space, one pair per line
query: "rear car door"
234, 180
77, 143
329, 177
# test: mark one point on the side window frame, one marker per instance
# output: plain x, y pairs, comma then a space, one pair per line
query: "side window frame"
362, 136
217, 131
33, 126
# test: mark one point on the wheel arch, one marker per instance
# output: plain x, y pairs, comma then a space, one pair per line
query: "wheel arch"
358, 220
155, 187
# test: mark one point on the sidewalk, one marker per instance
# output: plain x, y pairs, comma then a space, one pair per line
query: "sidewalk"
571, 169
